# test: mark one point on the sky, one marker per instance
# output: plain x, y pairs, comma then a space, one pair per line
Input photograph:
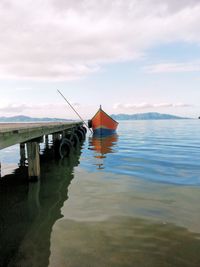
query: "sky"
130, 56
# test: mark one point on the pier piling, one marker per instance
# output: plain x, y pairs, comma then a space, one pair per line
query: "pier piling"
33, 152
32, 134
22, 154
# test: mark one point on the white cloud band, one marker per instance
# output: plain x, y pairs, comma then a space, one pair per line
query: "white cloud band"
65, 39
148, 105
173, 67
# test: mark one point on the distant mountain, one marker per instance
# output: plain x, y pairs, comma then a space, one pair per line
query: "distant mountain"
22, 118
146, 116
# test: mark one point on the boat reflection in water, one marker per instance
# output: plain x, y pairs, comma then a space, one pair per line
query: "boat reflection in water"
102, 145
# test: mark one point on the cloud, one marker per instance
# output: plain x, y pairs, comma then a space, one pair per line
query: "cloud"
173, 67
145, 105
39, 110
65, 39
13, 108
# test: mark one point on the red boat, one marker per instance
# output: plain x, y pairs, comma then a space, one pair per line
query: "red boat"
102, 124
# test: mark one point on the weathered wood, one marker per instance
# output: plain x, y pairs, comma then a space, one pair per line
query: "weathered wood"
46, 139
15, 133
32, 134
56, 136
33, 160
38, 139
22, 154
64, 133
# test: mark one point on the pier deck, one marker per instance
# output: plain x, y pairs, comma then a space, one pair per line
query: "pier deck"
32, 134
15, 133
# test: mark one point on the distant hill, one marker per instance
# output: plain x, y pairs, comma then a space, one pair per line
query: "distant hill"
22, 118
146, 116
139, 116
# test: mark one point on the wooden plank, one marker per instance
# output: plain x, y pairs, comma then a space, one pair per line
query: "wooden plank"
22, 154
14, 133
33, 160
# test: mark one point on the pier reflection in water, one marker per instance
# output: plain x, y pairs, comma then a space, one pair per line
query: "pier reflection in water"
29, 210
141, 210
102, 146
119, 216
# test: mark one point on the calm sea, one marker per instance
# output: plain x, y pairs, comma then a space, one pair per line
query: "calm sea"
132, 199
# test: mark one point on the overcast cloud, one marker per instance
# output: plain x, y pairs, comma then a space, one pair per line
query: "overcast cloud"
13, 109
173, 67
145, 105
63, 39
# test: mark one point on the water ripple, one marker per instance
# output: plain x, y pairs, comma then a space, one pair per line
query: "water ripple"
160, 151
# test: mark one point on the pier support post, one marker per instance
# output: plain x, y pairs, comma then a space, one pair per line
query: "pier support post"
46, 140
22, 154
65, 133
33, 160
56, 136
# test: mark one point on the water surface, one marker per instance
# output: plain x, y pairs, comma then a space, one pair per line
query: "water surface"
129, 200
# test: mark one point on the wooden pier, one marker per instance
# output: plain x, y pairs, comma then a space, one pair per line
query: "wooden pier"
29, 135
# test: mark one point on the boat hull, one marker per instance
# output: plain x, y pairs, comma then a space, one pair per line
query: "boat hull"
103, 132
102, 124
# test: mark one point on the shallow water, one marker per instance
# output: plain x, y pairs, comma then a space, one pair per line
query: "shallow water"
128, 200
